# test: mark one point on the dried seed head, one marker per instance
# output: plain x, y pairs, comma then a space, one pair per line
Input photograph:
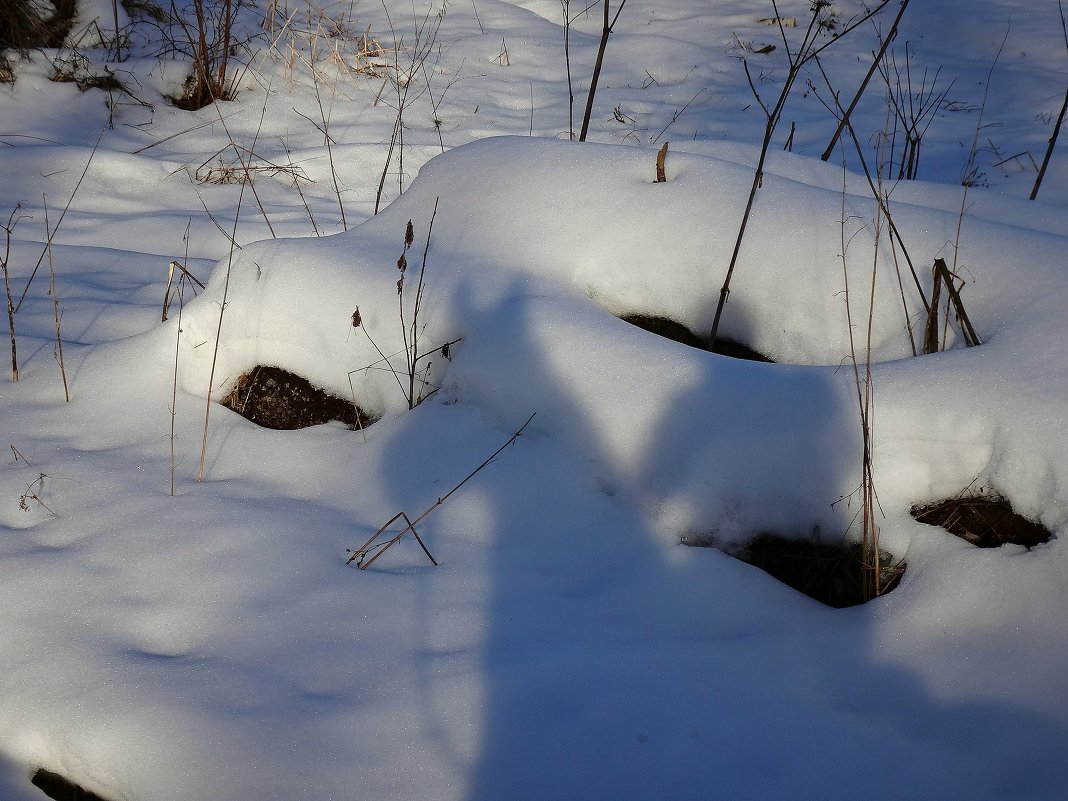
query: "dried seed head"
402, 263
400, 284
446, 351
356, 319
409, 235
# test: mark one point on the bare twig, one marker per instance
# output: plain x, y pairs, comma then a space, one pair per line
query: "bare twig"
676, 114
942, 273
32, 494
360, 554
1060, 117
12, 221
890, 36
426, 33
475, 8
606, 31
177, 265
884, 204
807, 51
210, 41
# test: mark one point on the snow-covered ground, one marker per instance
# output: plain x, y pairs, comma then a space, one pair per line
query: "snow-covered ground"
214, 644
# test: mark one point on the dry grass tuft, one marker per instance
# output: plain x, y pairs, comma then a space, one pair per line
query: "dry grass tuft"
22, 28
217, 170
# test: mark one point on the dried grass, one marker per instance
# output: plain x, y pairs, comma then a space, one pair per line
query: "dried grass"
22, 28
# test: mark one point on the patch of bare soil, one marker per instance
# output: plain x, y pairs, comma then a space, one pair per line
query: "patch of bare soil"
987, 521
677, 332
275, 398
61, 788
831, 573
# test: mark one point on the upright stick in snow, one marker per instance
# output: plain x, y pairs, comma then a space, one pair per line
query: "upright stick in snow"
606, 31
1060, 117
12, 221
805, 53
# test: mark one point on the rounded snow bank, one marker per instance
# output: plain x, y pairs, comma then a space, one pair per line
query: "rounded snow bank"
538, 245
591, 219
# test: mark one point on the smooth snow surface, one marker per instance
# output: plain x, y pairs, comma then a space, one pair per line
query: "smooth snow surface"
215, 645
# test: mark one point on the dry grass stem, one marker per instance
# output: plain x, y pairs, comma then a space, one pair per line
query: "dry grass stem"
59, 222
180, 293
871, 570
222, 172
55, 309
413, 380
406, 88
177, 265
883, 200
1060, 117
226, 289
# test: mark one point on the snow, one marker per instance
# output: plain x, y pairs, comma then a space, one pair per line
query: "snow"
215, 644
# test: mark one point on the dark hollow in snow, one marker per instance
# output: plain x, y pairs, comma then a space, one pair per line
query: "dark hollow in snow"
275, 398
987, 521
677, 332
61, 788
830, 573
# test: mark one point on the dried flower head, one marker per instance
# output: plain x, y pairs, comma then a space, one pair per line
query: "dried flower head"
402, 263
356, 319
409, 235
